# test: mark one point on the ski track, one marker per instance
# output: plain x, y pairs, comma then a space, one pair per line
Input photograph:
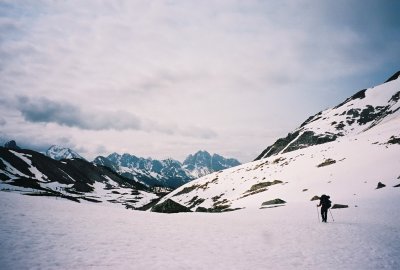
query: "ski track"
45, 233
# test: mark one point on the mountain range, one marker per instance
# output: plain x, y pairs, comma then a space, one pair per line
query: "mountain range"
350, 151
169, 172
32, 173
122, 179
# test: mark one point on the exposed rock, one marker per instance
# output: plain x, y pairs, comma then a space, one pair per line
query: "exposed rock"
278, 146
398, 185
187, 190
224, 208
264, 185
394, 140
315, 198
309, 138
260, 187
380, 185
393, 77
327, 162
11, 145
272, 202
169, 206
337, 206
195, 201
359, 95
295, 141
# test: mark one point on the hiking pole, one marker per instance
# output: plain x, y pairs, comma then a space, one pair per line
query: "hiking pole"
318, 214
331, 215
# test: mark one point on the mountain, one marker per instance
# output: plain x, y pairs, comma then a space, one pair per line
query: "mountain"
32, 173
350, 151
11, 145
58, 153
202, 163
166, 173
360, 112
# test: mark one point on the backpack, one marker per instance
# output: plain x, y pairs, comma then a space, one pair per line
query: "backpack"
325, 201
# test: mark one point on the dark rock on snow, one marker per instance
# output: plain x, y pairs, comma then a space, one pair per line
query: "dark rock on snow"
169, 206
337, 206
315, 198
11, 145
380, 185
275, 201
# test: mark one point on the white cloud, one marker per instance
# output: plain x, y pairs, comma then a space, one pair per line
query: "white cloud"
194, 75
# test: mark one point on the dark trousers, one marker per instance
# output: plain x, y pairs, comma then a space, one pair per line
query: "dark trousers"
324, 213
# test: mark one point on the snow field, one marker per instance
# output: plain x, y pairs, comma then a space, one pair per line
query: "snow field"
359, 165
43, 233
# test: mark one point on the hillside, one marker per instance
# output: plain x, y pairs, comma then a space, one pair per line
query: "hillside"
31, 173
344, 151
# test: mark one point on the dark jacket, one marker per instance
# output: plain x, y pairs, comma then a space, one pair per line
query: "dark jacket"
324, 201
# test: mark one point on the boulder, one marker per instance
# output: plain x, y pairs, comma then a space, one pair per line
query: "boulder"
169, 206
272, 202
337, 206
380, 185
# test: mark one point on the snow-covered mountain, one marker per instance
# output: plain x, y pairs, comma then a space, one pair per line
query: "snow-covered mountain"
362, 111
167, 173
345, 151
58, 153
202, 163
29, 172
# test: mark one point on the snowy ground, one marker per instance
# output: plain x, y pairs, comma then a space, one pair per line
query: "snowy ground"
44, 233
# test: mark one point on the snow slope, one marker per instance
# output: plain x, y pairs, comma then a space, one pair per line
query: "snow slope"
44, 233
348, 168
29, 172
58, 153
362, 111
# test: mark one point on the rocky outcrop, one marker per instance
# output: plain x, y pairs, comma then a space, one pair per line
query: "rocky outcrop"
273, 202
169, 206
380, 185
11, 145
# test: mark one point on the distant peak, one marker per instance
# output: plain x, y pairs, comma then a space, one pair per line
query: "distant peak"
55, 147
393, 77
115, 154
11, 145
201, 152
58, 152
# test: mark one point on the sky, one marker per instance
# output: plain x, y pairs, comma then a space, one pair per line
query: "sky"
164, 79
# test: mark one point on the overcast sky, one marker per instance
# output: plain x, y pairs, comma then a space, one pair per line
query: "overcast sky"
167, 78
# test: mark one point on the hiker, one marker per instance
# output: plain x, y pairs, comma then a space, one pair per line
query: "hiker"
325, 204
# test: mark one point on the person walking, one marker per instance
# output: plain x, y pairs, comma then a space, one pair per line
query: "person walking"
325, 204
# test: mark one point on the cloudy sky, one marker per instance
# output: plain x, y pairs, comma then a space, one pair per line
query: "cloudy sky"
167, 78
